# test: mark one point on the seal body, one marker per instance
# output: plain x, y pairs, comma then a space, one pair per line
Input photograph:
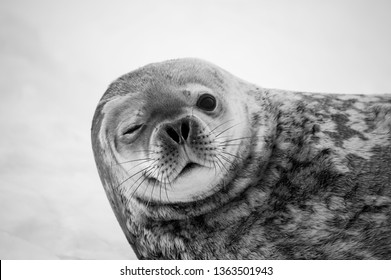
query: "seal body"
199, 164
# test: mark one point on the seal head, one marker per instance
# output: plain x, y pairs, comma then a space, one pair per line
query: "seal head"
171, 133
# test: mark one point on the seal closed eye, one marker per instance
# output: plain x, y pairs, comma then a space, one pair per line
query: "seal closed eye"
199, 164
133, 129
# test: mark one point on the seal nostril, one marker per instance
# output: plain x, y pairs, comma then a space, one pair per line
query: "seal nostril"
185, 129
173, 134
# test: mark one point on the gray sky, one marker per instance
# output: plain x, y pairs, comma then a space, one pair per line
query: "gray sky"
57, 58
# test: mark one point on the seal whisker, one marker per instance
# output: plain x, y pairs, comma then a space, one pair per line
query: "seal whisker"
145, 151
130, 177
149, 173
141, 164
129, 190
233, 163
165, 186
221, 166
221, 163
135, 166
220, 125
134, 160
214, 167
165, 190
238, 157
229, 145
235, 139
225, 130
151, 196
156, 181
171, 187
138, 186
216, 162
227, 159
208, 124
144, 170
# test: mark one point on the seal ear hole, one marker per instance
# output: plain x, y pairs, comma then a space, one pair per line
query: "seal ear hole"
132, 129
207, 102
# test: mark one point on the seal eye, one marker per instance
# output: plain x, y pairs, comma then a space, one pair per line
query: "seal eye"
206, 102
132, 129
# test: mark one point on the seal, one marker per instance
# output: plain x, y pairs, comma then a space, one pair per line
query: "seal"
200, 164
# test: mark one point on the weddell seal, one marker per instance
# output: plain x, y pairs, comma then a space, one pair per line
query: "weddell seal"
199, 164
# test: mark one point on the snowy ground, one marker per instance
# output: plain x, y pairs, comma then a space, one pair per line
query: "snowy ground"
57, 58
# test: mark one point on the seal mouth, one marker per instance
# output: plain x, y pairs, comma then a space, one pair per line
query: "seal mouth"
188, 167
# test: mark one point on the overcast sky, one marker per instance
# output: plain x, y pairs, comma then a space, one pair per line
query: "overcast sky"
57, 58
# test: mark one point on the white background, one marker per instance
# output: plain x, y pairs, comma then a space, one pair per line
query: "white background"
57, 58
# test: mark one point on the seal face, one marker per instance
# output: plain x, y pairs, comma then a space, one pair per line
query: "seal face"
198, 163
172, 141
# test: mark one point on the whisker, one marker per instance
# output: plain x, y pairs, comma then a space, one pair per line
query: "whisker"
134, 160
164, 184
154, 184
228, 145
132, 176
217, 135
226, 159
235, 139
165, 189
225, 152
214, 167
218, 164
152, 190
221, 163
131, 190
145, 151
221, 125
136, 166
135, 190
146, 176
160, 191
146, 169
143, 163
212, 121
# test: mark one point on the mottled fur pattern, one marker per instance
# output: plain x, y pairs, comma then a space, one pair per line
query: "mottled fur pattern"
319, 189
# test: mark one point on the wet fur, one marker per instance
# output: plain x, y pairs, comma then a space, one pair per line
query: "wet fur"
319, 189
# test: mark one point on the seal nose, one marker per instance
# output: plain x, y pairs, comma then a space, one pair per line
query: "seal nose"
185, 129
179, 132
